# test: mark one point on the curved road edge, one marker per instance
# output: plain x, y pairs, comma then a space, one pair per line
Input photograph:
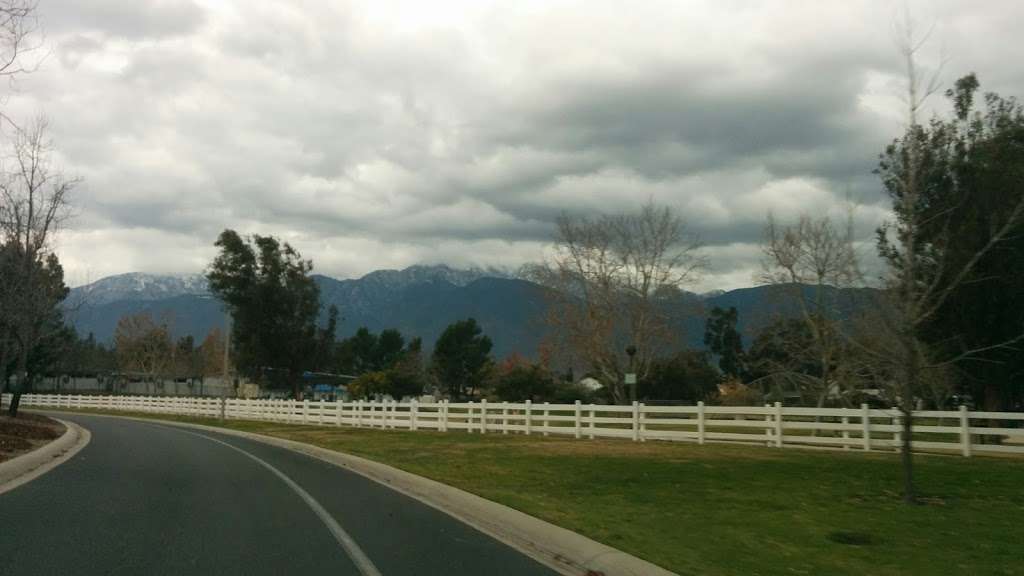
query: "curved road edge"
562, 550
29, 466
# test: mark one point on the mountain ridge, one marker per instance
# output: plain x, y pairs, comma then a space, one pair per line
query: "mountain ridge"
420, 301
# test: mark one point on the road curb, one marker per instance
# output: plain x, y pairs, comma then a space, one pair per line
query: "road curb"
562, 550
28, 467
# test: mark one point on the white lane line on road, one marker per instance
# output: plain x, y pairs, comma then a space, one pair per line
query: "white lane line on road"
359, 558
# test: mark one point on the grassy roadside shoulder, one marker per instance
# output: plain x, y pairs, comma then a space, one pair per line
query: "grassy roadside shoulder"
719, 509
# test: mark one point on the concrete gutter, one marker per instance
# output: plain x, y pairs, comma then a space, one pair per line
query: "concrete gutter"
562, 550
29, 466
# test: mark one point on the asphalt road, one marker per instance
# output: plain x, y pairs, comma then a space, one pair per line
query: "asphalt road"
146, 498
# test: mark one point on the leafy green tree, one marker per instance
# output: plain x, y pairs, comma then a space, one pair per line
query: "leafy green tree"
325, 342
47, 355
968, 225
686, 377
462, 359
273, 301
724, 341
369, 385
33, 324
34, 203
406, 377
86, 358
390, 347
365, 351
783, 358
516, 382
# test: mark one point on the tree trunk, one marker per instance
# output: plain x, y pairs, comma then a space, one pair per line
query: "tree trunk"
907, 411
3, 375
21, 379
12, 410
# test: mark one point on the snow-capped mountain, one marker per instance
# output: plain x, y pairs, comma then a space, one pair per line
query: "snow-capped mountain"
419, 274
419, 301
138, 286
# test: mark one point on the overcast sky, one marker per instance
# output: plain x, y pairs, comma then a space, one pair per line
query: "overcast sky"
378, 135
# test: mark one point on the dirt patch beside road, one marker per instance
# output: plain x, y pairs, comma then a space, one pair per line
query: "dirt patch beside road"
26, 433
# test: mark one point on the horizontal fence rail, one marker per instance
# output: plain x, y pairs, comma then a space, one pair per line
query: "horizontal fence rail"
959, 431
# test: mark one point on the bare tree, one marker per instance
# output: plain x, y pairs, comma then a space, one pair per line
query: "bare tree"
17, 27
143, 346
611, 282
34, 204
922, 274
808, 262
20, 35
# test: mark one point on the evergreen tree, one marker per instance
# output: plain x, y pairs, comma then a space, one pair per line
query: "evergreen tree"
273, 302
461, 359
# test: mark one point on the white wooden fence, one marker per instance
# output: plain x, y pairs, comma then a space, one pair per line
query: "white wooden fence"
771, 425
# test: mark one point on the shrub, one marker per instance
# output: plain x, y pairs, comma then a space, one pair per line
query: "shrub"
736, 393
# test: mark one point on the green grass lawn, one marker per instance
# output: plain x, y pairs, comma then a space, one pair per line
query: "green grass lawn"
724, 509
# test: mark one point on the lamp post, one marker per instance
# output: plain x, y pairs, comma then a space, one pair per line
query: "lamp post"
631, 375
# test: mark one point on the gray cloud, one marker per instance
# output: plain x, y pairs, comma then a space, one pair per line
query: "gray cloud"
378, 135
118, 18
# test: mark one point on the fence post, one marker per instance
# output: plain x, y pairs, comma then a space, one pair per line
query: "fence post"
305, 411
483, 416
965, 432
320, 416
413, 412
700, 422
546, 424
865, 424
897, 421
846, 433
643, 422
577, 418
778, 424
222, 407
504, 417
526, 423
636, 421
359, 413
768, 426
469, 417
